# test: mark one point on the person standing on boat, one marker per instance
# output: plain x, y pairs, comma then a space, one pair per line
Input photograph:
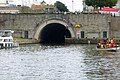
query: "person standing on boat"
105, 42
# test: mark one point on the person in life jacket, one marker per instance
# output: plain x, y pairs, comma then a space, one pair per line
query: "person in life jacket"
102, 46
107, 45
99, 45
112, 41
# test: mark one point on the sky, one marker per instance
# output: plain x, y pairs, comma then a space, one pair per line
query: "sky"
72, 5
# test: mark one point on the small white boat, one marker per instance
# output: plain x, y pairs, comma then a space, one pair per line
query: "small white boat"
6, 39
108, 49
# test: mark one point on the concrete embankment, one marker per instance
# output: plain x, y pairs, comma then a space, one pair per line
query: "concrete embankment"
87, 41
25, 41
81, 41
68, 41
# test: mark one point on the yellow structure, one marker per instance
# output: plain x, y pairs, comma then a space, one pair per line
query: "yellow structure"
77, 25
43, 7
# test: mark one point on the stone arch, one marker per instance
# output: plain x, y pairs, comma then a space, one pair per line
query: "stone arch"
68, 26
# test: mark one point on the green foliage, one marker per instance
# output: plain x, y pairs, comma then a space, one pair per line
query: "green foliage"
110, 3
101, 3
60, 6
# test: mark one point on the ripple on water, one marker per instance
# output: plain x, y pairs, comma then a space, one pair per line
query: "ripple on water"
58, 62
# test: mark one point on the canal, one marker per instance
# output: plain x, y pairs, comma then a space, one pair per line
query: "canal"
58, 62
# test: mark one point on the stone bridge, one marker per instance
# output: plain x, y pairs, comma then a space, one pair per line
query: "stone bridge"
58, 27
54, 29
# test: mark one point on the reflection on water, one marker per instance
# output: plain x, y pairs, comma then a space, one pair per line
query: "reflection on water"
58, 62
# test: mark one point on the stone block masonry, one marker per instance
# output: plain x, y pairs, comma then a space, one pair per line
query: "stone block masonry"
93, 25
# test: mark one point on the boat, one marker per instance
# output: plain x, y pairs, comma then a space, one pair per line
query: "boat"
6, 39
108, 49
107, 45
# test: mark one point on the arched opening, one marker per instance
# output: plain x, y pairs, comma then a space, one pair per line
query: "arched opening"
54, 33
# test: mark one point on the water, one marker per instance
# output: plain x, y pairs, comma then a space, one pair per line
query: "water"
58, 62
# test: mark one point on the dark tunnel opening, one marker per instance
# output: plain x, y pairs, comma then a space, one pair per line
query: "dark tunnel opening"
54, 33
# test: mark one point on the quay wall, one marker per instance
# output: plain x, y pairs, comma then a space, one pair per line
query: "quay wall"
67, 41
26, 41
115, 27
22, 23
86, 41
92, 24
82, 41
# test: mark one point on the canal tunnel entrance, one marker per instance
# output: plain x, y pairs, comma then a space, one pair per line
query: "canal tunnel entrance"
54, 33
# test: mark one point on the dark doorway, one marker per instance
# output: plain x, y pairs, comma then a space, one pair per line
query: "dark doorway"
82, 34
104, 34
54, 33
26, 34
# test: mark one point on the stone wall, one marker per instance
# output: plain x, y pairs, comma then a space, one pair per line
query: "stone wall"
115, 27
82, 41
92, 24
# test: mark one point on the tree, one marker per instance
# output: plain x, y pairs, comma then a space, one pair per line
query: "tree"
101, 3
110, 3
60, 6
91, 3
